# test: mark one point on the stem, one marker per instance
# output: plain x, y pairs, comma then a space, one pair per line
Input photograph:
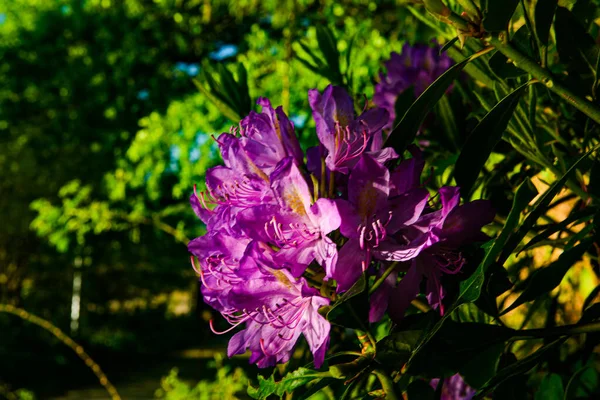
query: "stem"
565, 330
528, 65
383, 277
386, 384
60, 335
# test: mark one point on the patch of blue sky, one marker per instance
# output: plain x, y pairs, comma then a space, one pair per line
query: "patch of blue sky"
299, 120
143, 94
191, 69
224, 51
2, 18
174, 156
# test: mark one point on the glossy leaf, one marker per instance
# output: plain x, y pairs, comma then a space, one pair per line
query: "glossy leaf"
520, 367
483, 139
544, 14
539, 208
551, 388
405, 132
352, 308
470, 289
289, 383
497, 14
420, 390
328, 46
582, 384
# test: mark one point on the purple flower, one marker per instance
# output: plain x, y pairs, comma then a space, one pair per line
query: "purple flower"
219, 257
276, 308
293, 223
369, 216
229, 193
343, 136
454, 388
417, 66
435, 240
265, 139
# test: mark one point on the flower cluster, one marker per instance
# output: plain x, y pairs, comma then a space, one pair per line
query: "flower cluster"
286, 234
417, 66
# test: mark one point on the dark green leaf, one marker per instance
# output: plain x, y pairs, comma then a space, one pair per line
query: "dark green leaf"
538, 209
594, 186
246, 103
420, 390
404, 133
448, 44
497, 14
575, 46
328, 46
583, 384
503, 67
461, 345
551, 388
218, 102
394, 350
446, 114
483, 139
470, 289
352, 308
403, 103
546, 279
289, 383
544, 14
518, 368
482, 366
577, 218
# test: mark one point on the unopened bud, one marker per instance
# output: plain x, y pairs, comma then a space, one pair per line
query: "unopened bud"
437, 7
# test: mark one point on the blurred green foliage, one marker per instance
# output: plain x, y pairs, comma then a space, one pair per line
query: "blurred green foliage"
102, 136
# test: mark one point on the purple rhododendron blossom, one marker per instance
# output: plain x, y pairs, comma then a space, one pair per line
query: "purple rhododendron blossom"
287, 234
369, 216
454, 388
434, 240
276, 308
344, 136
417, 66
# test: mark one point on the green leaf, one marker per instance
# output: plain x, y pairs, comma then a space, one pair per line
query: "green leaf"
420, 390
446, 114
448, 44
289, 383
470, 289
352, 308
461, 345
503, 67
538, 209
405, 132
520, 367
576, 217
395, 349
551, 388
482, 367
546, 279
582, 384
594, 186
403, 103
328, 46
483, 139
497, 14
575, 46
218, 102
544, 14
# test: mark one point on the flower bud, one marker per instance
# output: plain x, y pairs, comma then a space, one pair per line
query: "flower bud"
437, 7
